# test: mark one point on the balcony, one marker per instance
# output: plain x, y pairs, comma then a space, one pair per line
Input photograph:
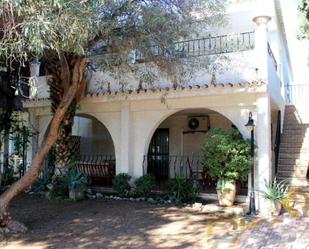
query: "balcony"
226, 58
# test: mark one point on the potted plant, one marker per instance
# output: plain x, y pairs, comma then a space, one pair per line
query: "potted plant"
226, 157
76, 182
275, 192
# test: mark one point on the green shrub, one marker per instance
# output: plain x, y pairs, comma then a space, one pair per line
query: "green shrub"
8, 176
144, 185
121, 184
58, 188
62, 184
75, 180
182, 190
275, 191
39, 185
226, 155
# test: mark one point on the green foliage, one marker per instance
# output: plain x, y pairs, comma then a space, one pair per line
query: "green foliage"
20, 134
39, 185
182, 190
144, 185
75, 180
59, 188
121, 184
275, 191
62, 184
41, 28
225, 185
226, 155
8, 176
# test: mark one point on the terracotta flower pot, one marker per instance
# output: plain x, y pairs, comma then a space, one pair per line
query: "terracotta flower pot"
274, 207
226, 191
76, 195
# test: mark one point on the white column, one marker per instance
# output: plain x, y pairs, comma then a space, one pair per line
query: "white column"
126, 152
263, 169
34, 73
261, 41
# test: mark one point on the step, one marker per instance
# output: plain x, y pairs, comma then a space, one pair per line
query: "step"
295, 182
300, 156
294, 125
296, 162
287, 149
299, 131
301, 172
296, 136
300, 169
297, 127
295, 140
294, 145
304, 189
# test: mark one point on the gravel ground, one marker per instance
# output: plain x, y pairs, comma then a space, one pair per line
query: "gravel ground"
106, 223
103, 223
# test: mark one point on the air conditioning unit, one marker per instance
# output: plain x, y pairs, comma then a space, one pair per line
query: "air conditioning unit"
198, 123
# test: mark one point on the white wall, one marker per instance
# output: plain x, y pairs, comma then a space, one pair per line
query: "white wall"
94, 137
188, 144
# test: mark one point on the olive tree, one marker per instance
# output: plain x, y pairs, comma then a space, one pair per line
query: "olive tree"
65, 32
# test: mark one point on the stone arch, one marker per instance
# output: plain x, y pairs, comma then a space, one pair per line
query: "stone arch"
111, 121
186, 146
97, 125
148, 122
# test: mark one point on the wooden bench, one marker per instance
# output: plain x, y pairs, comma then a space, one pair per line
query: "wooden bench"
100, 171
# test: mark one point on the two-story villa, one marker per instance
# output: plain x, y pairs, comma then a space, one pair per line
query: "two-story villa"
159, 129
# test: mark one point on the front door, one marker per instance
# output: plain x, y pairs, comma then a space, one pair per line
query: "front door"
158, 155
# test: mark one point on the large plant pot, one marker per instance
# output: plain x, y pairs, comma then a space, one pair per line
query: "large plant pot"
226, 191
274, 207
76, 194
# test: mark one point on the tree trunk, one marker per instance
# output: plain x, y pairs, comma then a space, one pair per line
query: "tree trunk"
74, 83
64, 145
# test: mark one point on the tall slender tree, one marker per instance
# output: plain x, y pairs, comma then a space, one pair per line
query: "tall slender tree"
66, 32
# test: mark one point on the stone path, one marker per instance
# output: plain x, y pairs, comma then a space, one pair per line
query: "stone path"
280, 233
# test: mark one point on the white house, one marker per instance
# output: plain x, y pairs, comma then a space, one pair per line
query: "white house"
251, 66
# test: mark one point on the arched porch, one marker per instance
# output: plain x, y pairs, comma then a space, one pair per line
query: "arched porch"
95, 151
175, 145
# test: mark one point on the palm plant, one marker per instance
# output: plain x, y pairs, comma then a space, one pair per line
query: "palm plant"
275, 191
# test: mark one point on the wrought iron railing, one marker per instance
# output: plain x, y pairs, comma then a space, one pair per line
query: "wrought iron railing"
209, 45
95, 159
170, 166
271, 54
164, 167
175, 165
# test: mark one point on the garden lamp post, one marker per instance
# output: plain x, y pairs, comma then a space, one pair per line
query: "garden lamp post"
250, 126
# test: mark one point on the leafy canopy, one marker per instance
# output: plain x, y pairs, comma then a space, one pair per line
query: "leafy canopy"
226, 155
31, 28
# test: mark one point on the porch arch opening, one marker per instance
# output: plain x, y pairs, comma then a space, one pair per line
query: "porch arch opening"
175, 144
95, 150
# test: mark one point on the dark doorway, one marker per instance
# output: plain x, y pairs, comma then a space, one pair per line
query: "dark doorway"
158, 155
